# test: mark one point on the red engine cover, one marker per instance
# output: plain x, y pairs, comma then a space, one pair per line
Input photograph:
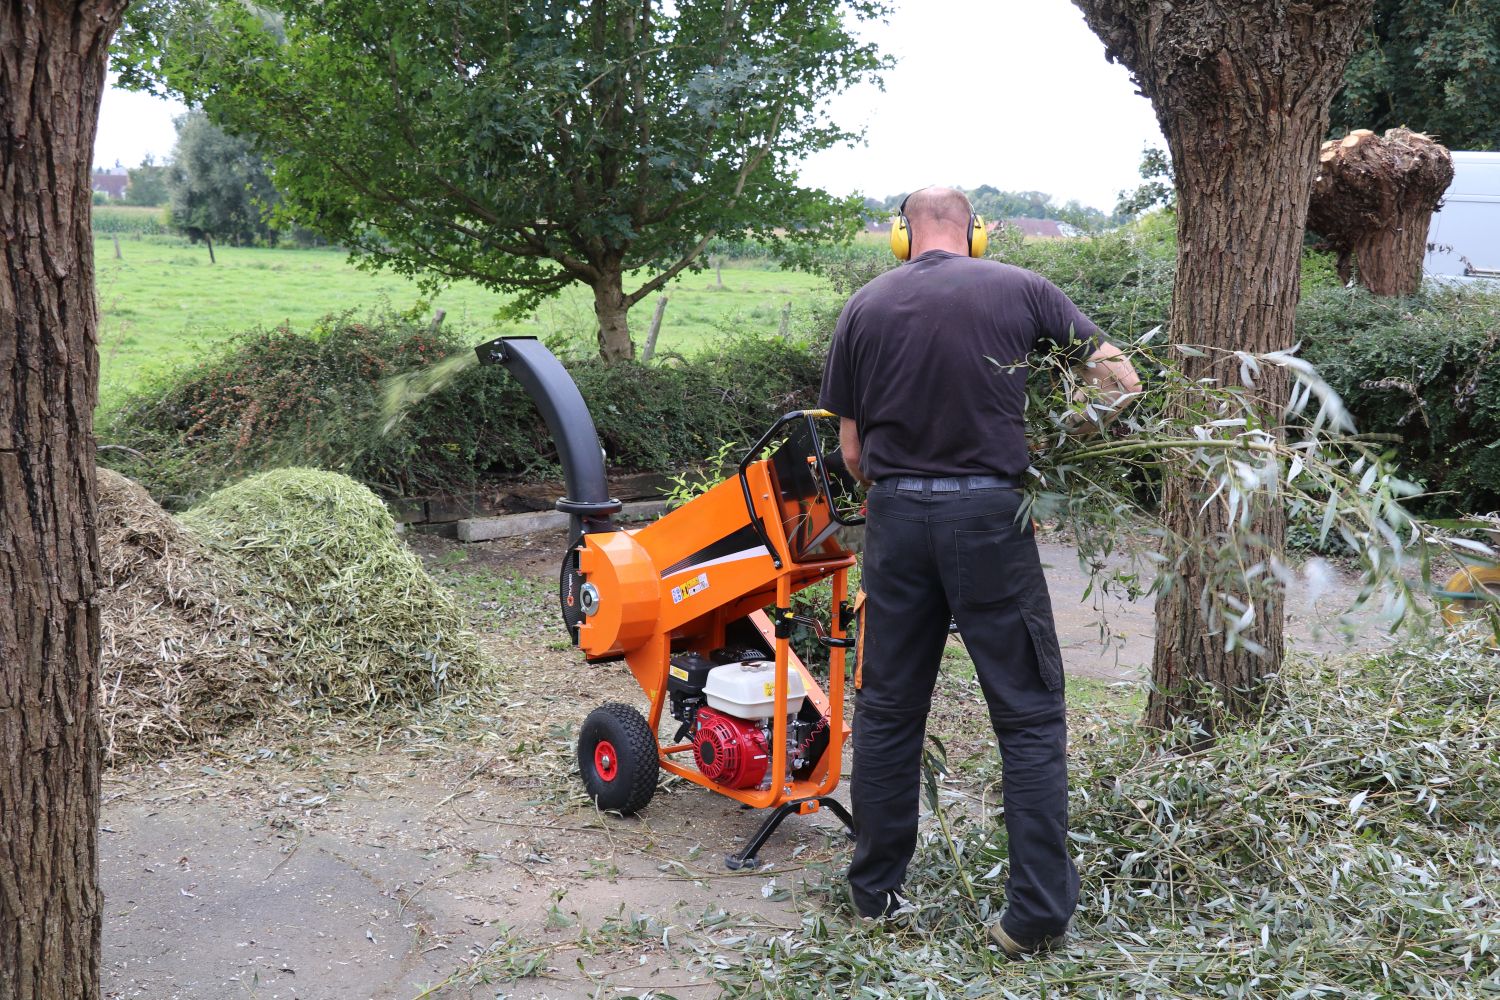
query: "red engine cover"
730, 751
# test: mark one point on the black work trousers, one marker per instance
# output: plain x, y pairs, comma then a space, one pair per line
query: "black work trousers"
935, 547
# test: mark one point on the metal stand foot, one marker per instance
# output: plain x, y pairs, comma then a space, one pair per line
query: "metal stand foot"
747, 857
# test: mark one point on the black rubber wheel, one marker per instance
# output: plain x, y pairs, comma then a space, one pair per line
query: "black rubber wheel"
617, 757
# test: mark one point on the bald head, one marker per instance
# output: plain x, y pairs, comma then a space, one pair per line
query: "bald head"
939, 218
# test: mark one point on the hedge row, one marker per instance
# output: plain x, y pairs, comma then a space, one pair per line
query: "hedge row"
283, 397
1425, 368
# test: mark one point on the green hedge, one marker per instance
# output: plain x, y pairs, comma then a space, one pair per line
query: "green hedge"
1425, 368
281, 397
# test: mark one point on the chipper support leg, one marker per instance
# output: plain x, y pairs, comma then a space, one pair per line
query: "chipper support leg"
747, 857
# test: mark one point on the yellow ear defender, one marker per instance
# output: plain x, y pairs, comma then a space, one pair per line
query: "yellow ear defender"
979, 236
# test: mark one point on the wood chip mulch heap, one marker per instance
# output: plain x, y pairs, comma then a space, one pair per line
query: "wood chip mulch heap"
182, 660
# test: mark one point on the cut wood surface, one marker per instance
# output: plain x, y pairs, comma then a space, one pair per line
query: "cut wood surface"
1372, 201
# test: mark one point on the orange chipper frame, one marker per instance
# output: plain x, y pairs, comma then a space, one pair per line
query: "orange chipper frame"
683, 602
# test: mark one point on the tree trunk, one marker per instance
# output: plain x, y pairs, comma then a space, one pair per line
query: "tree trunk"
612, 309
1373, 199
52, 62
1241, 90
1389, 261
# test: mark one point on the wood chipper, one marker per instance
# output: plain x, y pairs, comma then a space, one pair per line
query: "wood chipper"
699, 606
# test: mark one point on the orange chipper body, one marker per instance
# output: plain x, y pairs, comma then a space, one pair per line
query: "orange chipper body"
698, 605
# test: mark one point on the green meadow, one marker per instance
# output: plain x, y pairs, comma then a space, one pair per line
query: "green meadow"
163, 304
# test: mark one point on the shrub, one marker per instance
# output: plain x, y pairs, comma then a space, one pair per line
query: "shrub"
1122, 280
278, 397
1425, 368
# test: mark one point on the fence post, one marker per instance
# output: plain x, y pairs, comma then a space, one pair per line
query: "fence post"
437, 321
117, 246
650, 348
786, 319
719, 271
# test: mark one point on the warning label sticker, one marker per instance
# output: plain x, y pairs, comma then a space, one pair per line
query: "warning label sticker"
686, 590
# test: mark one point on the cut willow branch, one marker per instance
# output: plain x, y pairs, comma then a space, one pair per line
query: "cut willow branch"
1336, 486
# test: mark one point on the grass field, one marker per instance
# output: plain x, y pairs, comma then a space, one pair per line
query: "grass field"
162, 304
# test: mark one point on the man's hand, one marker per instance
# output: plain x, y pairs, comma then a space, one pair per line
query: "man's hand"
1109, 383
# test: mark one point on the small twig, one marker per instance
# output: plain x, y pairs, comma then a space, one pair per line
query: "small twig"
121, 447
278, 866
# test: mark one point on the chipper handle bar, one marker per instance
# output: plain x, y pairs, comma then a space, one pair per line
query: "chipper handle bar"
820, 474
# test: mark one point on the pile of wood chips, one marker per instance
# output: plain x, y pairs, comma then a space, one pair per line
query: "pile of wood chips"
182, 660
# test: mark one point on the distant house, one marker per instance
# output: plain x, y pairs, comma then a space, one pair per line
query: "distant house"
112, 181
1047, 229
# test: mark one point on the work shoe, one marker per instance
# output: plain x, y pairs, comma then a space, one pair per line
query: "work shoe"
1016, 948
887, 906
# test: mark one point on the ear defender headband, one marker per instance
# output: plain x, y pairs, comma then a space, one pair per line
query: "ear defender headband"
979, 237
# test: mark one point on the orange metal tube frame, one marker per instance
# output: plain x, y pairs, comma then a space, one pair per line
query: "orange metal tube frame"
646, 609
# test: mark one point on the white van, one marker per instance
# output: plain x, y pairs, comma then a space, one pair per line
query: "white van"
1464, 241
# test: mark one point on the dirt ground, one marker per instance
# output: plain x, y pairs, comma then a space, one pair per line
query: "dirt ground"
454, 855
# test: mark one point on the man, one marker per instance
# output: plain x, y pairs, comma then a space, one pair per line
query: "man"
924, 372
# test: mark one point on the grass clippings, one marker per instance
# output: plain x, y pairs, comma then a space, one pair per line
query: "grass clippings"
182, 660
1344, 846
360, 622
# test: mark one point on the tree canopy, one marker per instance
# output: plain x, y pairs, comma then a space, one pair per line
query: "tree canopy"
526, 144
218, 186
1158, 188
148, 183
1432, 66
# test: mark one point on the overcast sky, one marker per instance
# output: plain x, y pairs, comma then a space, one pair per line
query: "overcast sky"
1012, 93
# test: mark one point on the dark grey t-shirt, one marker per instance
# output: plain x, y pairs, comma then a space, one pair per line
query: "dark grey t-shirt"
923, 362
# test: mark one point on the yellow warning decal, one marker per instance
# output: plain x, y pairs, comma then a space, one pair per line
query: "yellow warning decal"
678, 673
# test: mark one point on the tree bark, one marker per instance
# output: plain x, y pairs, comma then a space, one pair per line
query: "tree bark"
612, 308
52, 63
1373, 199
1241, 90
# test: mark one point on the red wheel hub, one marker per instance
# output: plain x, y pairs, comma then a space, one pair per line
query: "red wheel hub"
606, 761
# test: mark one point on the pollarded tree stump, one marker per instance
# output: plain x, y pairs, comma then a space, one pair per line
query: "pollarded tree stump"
1373, 199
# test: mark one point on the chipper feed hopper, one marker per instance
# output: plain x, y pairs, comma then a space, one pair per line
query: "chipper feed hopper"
699, 606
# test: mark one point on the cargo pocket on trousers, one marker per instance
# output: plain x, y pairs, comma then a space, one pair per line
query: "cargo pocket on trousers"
1044, 642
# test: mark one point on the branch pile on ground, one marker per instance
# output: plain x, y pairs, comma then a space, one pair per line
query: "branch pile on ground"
361, 624
181, 660
1343, 846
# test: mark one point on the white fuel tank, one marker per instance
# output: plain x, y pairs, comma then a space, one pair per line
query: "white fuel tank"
748, 690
